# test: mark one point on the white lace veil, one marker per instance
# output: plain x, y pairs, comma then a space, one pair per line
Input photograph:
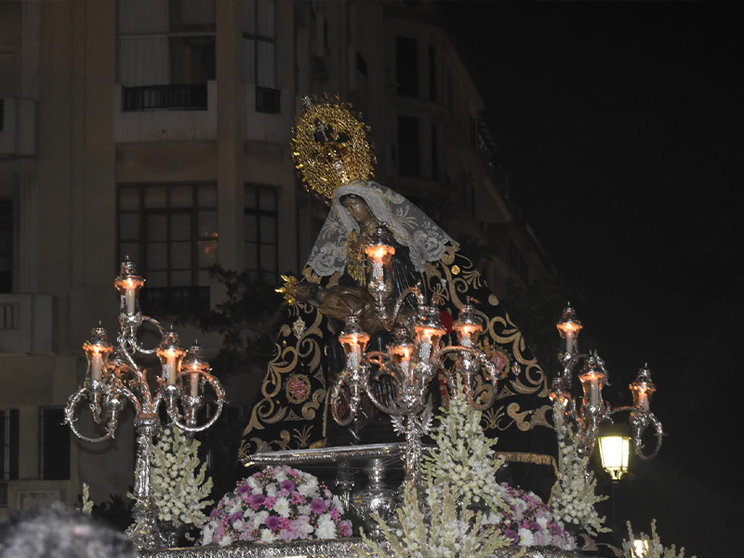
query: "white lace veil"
409, 225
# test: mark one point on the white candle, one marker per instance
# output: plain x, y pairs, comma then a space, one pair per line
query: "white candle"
171, 365
129, 298
96, 366
377, 270
194, 384
569, 342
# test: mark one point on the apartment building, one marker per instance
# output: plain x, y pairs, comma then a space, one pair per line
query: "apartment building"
160, 129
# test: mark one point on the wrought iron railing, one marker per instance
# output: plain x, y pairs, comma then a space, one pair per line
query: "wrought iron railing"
171, 97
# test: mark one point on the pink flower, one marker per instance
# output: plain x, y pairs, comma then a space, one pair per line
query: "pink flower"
255, 500
318, 506
344, 528
272, 522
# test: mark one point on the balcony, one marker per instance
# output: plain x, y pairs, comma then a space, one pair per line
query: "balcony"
165, 113
25, 323
17, 127
165, 97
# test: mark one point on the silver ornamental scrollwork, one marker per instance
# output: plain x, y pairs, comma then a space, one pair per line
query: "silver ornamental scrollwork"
114, 377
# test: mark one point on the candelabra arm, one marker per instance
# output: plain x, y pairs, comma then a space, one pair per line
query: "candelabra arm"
140, 379
484, 362
392, 316
640, 421
128, 334
650, 420
338, 385
72, 403
385, 367
193, 403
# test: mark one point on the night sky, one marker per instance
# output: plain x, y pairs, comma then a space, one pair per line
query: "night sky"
620, 127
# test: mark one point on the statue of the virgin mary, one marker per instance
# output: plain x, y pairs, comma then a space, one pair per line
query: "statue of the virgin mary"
293, 411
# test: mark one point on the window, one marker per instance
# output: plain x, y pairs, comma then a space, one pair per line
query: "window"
407, 66
6, 246
261, 229
170, 232
259, 51
408, 146
54, 444
166, 53
9, 443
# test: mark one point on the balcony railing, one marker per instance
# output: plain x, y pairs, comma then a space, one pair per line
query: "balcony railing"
165, 97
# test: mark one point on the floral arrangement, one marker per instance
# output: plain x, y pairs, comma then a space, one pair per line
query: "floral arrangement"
469, 512
179, 479
443, 530
463, 457
574, 495
643, 546
274, 505
528, 521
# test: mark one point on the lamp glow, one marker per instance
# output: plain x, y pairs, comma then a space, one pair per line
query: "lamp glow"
614, 450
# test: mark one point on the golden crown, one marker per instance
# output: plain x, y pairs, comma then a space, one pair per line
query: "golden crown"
331, 147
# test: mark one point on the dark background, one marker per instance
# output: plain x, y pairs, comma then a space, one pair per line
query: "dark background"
620, 127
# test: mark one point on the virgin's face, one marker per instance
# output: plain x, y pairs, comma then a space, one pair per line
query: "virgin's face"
358, 209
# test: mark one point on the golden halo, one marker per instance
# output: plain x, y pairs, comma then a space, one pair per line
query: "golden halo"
330, 147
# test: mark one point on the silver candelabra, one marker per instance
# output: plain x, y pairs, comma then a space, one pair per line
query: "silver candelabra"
114, 377
397, 380
593, 409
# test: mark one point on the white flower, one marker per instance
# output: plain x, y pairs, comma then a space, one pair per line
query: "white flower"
281, 506
207, 533
308, 487
267, 536
526, 538
259, 519
326, 527
225, 540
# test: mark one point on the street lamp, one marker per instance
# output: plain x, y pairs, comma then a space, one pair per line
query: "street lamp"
614, 451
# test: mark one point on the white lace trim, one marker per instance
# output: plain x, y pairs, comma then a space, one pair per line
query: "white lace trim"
410, 226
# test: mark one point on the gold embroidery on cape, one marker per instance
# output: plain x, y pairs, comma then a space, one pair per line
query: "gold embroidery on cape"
526, 457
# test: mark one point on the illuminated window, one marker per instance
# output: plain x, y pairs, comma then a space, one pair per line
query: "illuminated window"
261, 228
170, 232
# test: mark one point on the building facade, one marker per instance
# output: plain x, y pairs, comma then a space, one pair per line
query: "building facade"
160, 129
